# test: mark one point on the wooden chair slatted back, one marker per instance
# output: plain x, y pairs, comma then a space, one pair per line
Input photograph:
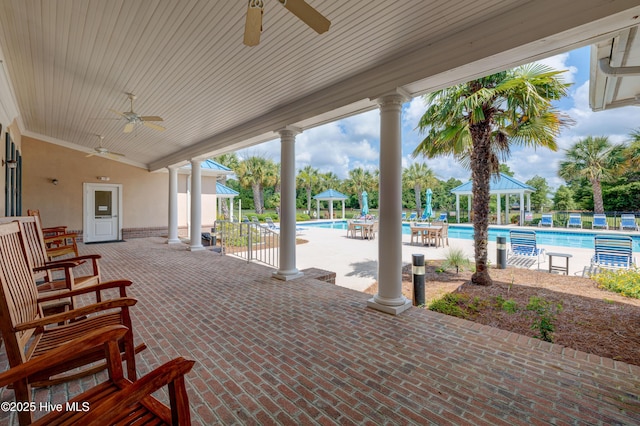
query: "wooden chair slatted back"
36, 247
18, 292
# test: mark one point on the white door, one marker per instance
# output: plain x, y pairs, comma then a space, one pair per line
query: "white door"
102, 212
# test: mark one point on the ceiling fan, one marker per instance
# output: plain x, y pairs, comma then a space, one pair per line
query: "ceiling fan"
300, 8
134, 118
102, 151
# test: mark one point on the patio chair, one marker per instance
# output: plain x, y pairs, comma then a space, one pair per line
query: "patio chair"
546, 220
404, 216
442, 217
270, 224
613, 252
27, 334
599, 221
575, 220
413, 217
628, 221
59, 242
43, 268
424, 218
115, 401
524, 250
254, 219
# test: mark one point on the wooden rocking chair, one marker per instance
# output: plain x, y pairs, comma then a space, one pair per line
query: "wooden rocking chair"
59, 242
43, 267
28, 334
118, 400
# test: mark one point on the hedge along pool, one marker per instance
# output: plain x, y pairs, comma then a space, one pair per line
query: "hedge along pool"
564, 238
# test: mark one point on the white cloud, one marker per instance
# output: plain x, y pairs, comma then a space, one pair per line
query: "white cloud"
559, 62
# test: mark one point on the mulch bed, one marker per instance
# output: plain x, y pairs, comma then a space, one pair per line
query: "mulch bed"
591, 320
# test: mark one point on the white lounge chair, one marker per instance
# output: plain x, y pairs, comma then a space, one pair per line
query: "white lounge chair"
599, 221
546, 220
524, 250
613, 252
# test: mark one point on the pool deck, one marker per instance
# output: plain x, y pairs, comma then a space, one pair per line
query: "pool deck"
355, 260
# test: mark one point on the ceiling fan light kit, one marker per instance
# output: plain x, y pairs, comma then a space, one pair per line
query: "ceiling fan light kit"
300, 8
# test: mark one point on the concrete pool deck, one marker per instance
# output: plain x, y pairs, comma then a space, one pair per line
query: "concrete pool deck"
355, 260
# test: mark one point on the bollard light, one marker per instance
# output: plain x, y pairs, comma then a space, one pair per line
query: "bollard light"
418, 271
501, 253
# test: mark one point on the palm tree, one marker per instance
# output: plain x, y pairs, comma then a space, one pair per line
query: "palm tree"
359, 180
418, 176
308, 178
476, 122
328, 180
633, 151
594, 159
254, 172
231, 161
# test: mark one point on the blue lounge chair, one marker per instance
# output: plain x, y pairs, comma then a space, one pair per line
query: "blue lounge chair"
404, 216
443, 217
524, 249
628, 221
613, 252
546, 220
599, 221
413, 217
423, 218
270, 224
575, 220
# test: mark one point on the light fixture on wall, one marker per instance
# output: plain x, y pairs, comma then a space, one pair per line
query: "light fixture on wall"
12, 164
104, 178
54, 181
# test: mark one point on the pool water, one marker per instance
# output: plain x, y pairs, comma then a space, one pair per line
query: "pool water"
577, 239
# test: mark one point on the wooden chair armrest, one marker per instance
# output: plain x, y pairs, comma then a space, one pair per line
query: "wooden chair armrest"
58, 229
92, 257
60, 354
66, 264
121, 302
58, 237
88, 289
170, 373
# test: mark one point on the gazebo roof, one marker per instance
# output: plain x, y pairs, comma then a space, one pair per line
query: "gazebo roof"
225, 192
502, 184
210, 167
330, 194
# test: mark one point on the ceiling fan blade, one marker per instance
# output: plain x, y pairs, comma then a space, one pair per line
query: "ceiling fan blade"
151, 118
307, 14
128, 128
90, 155
253, 23
117, 112
154, 126
114, 155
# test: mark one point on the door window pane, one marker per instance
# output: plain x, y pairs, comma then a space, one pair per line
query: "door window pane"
103, 203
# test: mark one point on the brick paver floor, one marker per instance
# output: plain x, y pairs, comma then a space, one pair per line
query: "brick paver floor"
308, 352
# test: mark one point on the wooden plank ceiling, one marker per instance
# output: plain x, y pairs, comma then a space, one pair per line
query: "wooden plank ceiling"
70, 61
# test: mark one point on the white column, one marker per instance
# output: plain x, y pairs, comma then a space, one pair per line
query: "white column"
173, 205
231, 209
458, 208
317, 209
196, 206
498, 208
288, 270
331, 209
389, 298
521, 208
469, 207
342, 209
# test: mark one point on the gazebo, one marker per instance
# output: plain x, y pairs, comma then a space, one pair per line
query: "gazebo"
226, 192
500, 185
330, 195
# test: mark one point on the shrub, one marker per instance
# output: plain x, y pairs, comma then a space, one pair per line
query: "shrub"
625, 282
300, 217
546, 312
449, 304
455, 258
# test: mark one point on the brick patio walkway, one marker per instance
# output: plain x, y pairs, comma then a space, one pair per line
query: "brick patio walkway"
307, 352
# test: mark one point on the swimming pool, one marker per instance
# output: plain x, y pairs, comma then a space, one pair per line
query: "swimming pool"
577, 239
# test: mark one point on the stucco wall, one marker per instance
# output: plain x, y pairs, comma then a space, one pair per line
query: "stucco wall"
145, 195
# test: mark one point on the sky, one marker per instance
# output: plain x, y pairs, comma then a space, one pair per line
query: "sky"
354, 142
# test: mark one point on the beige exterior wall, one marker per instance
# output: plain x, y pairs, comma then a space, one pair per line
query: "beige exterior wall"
144, 195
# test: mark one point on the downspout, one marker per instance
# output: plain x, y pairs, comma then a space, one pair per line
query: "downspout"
607, 69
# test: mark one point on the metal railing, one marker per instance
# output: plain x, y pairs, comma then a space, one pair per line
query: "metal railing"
250, 241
